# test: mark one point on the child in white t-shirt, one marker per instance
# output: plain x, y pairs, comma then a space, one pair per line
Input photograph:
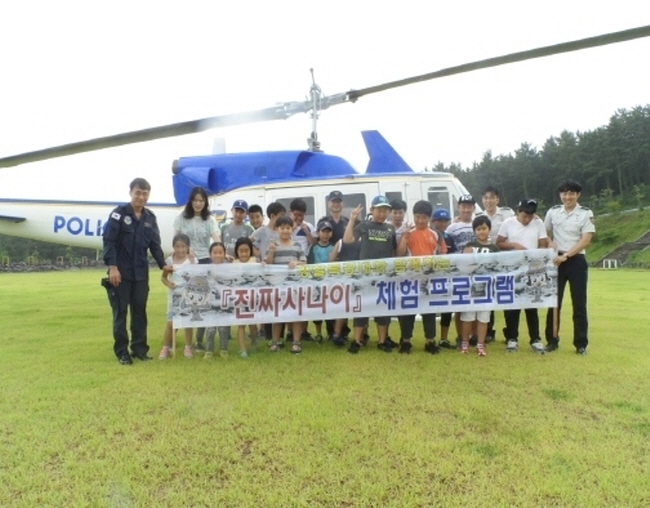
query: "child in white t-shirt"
244, 254
524, 231
179, 258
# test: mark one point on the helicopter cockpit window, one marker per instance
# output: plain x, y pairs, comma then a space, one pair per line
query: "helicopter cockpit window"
351, 201
392, 196
439, 197
310, 215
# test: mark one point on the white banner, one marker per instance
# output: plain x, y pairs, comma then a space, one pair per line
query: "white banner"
237, 294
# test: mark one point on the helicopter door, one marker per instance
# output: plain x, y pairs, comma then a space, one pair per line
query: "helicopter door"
440, 195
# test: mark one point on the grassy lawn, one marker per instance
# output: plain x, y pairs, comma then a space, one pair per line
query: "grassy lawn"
321, 429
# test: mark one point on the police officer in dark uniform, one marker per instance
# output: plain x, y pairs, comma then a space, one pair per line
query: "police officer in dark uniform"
571, 227
131, 230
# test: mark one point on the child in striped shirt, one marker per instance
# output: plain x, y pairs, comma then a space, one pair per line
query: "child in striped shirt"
285, 251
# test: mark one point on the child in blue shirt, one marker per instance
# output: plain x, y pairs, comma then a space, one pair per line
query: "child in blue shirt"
320, 252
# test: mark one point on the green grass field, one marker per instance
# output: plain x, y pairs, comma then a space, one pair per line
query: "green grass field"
324, 428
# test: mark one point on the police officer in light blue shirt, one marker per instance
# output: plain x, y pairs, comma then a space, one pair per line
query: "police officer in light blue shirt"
571, 228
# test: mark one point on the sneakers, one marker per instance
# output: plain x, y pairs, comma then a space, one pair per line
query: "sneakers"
125, 360
223, 353
432, 348
538, 347
445, 344
318, 338
552, 345
144, 357
164, 353
490, 336
338, 341
511, 346
296, 348
480, 350
464, 347
354, 347
208, 355
405, 347
391, 342
199, 347
188, 352
582, 351
385, 346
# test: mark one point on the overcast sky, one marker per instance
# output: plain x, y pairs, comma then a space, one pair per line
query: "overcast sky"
76, 70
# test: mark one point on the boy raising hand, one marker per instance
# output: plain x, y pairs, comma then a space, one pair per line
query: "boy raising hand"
377, 241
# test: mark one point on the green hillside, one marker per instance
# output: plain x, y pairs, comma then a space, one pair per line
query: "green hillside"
617, 228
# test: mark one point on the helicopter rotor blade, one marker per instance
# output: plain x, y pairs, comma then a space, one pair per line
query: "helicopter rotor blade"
285, 110
555, 49
278, 112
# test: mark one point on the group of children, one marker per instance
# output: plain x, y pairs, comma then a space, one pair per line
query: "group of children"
290, 241
284, 240
243, 253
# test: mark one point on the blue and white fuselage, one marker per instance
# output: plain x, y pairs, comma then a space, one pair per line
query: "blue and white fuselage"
76, 223
258, 178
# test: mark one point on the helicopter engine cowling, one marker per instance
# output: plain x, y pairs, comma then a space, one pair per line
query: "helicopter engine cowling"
225, 172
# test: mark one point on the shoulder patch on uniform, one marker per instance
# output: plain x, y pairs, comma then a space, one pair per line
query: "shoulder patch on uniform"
116, 216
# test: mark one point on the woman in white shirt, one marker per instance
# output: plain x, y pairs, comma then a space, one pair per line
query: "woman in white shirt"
201, 227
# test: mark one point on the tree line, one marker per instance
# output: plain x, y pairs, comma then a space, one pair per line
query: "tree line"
611, 162
25, 250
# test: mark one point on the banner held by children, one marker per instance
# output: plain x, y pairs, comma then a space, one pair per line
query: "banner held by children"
236, 294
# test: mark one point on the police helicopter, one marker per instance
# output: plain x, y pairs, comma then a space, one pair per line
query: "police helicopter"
263, 177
